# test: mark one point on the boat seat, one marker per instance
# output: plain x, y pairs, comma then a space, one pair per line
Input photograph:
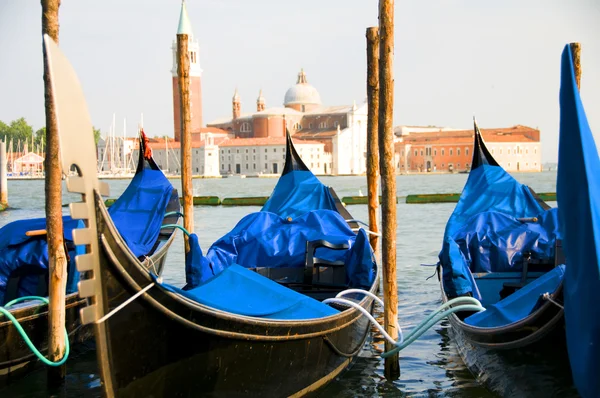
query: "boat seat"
509, 288
321, 272
316, 273
532, 265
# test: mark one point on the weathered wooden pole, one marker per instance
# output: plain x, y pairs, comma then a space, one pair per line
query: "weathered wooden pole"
183, 73
372, 134
388, 179
54, 223
576, 55
3, 180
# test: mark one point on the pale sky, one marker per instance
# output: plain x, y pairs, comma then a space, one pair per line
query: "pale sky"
499, 60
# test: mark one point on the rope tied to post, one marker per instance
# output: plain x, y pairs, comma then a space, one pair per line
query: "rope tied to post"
4, 310
450, 307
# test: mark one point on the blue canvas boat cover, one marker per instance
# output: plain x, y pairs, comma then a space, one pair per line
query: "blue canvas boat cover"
298, 192
18, 250
240, 291
484, 234
300, 209
138, 213
520, 304
578, 194
264, 239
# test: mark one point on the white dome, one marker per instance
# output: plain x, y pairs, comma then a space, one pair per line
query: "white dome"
302, 93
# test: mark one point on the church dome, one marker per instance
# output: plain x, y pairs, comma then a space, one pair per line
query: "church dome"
302, 93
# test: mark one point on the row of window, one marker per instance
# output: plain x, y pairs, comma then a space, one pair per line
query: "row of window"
246, 127
247, 165
443, 151
401, 166
312, 149
266, 158
451, 152
516, 151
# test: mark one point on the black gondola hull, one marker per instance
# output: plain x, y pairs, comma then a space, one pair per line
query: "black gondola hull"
178, 348
516, 335
16, 359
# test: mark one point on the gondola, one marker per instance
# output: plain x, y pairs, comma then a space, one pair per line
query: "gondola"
578, 194
250, 320
502, 246
139, 213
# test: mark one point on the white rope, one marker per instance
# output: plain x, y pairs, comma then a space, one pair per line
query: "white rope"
369, 317
412, 335
152, 264
366, 313
126, 302
362, 223
547, 296
367, 231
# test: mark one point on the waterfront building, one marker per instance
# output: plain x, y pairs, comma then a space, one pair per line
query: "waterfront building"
341, 129
29, 163
515, 148
257, 156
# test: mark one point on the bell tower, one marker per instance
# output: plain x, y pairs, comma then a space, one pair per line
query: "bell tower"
260, 102
236, 105
185, 27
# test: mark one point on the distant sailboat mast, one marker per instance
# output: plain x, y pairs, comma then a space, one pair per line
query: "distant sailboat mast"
112, 146
124, 156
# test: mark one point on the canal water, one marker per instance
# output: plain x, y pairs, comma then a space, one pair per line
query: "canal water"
430, 367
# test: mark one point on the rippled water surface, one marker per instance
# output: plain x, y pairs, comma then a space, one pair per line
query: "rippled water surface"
430, 367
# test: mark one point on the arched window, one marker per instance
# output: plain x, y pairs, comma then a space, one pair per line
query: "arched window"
245, 127
297, 126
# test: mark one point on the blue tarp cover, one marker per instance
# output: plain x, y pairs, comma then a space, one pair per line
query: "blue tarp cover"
240, 291
18, 250
578, 194
484, 235
266, 240
137, 214
300, 209
298, 192
520, 304
140, 210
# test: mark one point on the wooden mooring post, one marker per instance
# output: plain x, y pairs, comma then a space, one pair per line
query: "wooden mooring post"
576, 55
3, 179
372, 134
183, 73
54, 222
388, 180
